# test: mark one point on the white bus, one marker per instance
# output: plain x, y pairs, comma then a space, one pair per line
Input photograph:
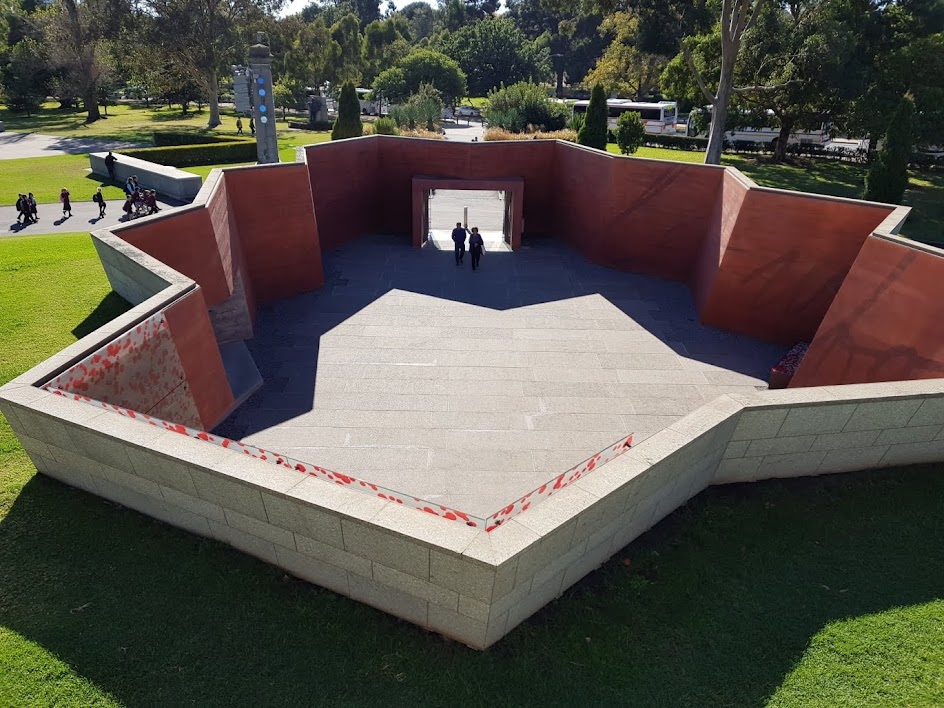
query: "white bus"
657, 118
767, 134
371, 108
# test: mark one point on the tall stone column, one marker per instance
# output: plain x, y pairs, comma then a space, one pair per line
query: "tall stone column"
267, 144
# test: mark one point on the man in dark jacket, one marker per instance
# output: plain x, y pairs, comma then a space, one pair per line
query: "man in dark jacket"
458, 237
110, 161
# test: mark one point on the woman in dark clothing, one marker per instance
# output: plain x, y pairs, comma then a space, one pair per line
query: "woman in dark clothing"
66, 204
476, 246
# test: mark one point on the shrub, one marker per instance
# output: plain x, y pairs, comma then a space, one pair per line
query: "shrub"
677, 142
630, 133
887, 179
524, 104
496, 134
386, 126
593, 133
576, 122
164, 139
348, 124
190, 155
425, 107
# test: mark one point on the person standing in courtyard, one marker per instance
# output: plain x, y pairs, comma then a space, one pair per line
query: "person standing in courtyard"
458, 238
476, 246
66, 204
99, 199
110, 161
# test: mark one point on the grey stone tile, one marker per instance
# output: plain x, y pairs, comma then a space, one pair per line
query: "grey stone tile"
878, 415
814, 420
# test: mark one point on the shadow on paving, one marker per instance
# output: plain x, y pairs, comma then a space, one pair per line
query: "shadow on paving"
288, 332
716, 606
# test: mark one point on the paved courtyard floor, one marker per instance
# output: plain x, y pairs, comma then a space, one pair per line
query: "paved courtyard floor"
470, 389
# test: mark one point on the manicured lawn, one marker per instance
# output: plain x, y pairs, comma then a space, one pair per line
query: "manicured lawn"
46, 176
809, 592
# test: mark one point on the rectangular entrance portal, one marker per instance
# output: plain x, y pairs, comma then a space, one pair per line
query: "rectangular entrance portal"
495, 206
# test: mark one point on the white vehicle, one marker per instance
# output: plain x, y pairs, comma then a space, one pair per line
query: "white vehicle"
369, 107
468, 112
657, 118
768, 134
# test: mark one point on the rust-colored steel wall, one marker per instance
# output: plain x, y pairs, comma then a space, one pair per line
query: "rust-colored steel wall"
187, 243
645, 216
885, 322
785, 260
344, 187
727, 206
278, 230
199, 353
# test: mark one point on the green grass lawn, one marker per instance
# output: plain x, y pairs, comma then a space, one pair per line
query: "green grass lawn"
46, 176
808, 592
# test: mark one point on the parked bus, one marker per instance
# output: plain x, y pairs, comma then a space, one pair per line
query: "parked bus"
656, 117
368, 107
765, 134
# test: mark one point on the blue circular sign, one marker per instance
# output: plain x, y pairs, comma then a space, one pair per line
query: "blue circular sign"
263, 109
262, 92
260, 81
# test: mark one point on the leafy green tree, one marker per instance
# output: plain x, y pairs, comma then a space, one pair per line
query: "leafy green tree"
887, 179
630, 133
625, 69
495, 51
421, 19
385, 43
594, 130
25, 77
367, 11
425, 66
346, 33
348, 124
312, 57
391, 85
524, 104
286, 95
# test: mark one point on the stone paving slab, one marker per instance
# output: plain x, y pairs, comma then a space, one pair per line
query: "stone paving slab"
472, 389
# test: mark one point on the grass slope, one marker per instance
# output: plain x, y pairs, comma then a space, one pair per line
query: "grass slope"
808, 592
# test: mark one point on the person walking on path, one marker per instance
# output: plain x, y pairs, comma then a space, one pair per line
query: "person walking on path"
239, 126
99, 199
66, 204
458, 237
22, 214
476, 246
31, 202
252, 126
110, 161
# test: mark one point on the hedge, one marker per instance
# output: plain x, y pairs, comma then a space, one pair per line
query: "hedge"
676, 142
320, 126
191, 155
165, 139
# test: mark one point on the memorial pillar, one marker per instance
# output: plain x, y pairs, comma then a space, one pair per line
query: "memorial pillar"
267, 144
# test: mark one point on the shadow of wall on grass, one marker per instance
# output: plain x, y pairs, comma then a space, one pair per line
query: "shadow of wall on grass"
108, 309
716, 607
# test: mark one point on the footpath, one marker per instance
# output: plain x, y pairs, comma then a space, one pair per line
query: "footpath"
84, 218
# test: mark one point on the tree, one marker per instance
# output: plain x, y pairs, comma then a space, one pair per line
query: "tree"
348, 124
24, 78
421, 20
624, 69
207, 36
285, 96
391, 85
311, 59
425, 66
385, 43
495, 51
367, 11
594, 130
77, 48
887, 179
737, 17
630, 132
346, 33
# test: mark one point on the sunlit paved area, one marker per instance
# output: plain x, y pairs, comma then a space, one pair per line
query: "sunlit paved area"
473, 388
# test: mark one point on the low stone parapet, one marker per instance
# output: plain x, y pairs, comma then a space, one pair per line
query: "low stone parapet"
165, 180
